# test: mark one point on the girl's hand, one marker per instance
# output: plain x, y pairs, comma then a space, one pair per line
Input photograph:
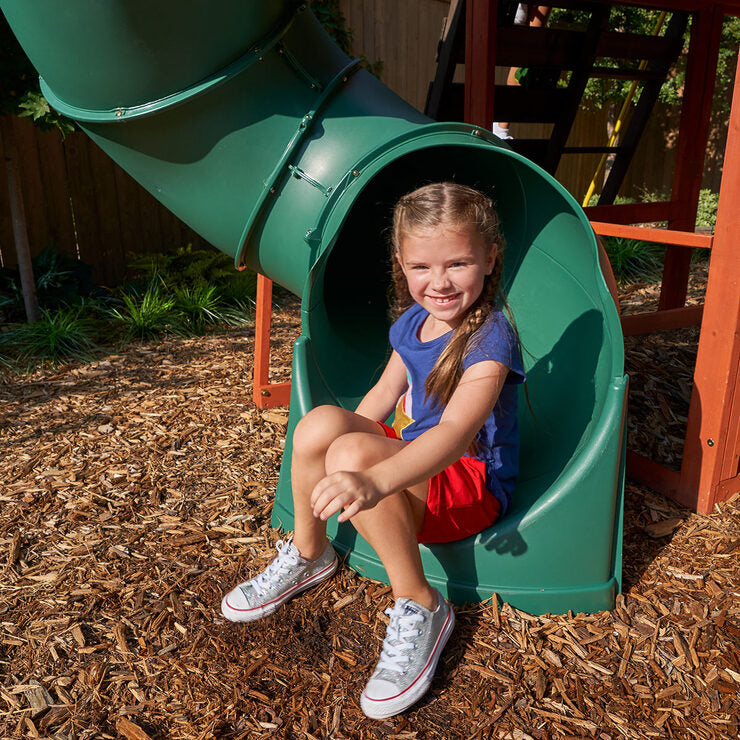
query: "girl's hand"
351, 491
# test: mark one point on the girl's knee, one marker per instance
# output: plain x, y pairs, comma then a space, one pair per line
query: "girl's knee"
318, 429
352, 451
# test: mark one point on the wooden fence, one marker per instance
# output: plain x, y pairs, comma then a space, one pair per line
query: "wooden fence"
77, 199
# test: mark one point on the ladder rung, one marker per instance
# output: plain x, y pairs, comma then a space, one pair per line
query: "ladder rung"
624, 73
523, 46
592, 149
514, 103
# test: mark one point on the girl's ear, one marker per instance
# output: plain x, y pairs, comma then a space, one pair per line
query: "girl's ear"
492, 257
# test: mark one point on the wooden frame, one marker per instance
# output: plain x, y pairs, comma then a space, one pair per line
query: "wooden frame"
710, 470
265, 394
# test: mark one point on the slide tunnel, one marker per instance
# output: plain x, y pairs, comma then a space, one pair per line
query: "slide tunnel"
250, 124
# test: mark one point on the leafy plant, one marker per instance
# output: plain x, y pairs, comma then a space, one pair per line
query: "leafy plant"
60, 281
706, 215
35, 106
147, 315
633, 260
58, 336
198, 307
20, 93
201, 307
188, 268
332, 19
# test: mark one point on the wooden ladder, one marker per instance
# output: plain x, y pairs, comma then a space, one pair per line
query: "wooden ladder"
583, 54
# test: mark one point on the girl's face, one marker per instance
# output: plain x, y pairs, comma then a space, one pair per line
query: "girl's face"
445, 269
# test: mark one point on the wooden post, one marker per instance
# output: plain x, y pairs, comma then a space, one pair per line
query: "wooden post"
701, 69
265, 394
480, 61
18, 216
711, 456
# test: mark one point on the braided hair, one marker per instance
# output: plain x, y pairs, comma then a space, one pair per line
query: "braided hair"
453, 205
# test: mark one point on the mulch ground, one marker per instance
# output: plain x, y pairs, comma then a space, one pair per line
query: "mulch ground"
137, 489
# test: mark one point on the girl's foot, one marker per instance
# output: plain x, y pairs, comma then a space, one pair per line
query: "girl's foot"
285, 577
413, 643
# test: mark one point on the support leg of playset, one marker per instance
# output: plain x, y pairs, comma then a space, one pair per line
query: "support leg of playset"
711, 456
480, 60
706, 32
265, 394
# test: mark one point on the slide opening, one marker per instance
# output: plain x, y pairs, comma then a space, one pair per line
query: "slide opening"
557, 303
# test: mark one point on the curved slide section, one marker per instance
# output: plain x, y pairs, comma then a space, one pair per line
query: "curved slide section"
250, 124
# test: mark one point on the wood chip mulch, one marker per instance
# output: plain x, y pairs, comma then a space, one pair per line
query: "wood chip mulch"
138, 489
661, 369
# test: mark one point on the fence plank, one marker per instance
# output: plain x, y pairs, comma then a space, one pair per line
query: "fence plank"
109, 250
7, 248
83, 201
32, 186
129, 216
56, 192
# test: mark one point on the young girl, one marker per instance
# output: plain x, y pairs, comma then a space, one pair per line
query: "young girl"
445, 469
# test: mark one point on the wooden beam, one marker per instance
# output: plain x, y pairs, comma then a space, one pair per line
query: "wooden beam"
701, 69
674, 318
265, 394
480, 61
658, 236
713, 427
576, 86
634, 213
452, 41
652, 474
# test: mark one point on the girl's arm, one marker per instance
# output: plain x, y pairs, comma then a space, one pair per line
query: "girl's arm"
430, 453
382, 398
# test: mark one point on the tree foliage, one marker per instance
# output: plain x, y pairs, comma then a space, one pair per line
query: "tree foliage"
20, 93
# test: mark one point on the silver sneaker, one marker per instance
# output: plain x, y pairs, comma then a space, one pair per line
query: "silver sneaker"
413, 643
287, 575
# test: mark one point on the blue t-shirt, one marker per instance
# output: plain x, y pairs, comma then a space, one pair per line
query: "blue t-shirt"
497, 443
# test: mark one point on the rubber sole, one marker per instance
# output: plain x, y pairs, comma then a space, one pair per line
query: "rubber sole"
235, 614
384, 708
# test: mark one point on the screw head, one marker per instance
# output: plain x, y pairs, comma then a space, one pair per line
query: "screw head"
355, 173
710, 442
265, 393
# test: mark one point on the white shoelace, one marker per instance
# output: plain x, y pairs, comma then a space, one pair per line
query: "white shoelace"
287, 558
399, 639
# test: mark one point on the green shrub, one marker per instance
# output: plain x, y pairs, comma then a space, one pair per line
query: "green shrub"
58, 336
202, 307
149, 314
60, 281
706, 215
194, 268
633, 260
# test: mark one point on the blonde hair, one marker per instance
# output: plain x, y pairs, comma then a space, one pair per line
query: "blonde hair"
453, 205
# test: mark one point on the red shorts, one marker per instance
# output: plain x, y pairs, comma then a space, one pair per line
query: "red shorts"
458, 502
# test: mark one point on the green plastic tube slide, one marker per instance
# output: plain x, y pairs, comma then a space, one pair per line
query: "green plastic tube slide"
250, 124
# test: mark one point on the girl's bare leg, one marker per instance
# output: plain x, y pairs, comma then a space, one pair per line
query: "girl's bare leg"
313, 436
391, 526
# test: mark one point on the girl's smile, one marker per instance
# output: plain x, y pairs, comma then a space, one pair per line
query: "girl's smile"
445, 269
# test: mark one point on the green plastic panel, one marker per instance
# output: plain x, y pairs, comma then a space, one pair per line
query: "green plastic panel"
247, 121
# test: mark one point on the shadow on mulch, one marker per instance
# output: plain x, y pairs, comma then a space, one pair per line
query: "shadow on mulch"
642, 542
